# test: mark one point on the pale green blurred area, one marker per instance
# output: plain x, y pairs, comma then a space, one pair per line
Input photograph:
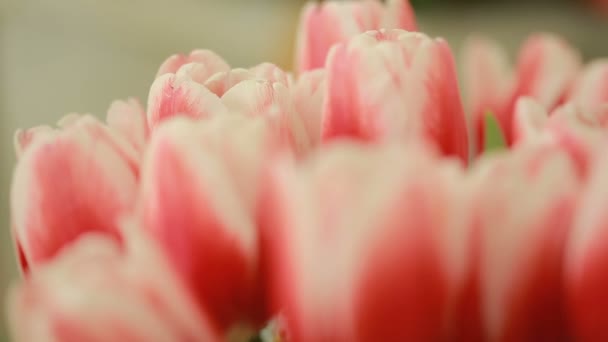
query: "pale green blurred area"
67, 56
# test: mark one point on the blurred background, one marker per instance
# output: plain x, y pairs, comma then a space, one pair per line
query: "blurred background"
78, 55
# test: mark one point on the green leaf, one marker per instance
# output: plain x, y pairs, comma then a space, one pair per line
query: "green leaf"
495, 140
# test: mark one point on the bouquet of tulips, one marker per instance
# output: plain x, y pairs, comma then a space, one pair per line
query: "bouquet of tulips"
361, 198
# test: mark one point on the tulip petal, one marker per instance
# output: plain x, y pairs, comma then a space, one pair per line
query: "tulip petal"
129, 118
338, 233
308, 96
530, 119
399, 14
171, 95
94, 292
199, 179
274, 103
525, 219
586, 260
395, 85
546, 70
206, 59
272, 73
591, 89
67, 185
221, 82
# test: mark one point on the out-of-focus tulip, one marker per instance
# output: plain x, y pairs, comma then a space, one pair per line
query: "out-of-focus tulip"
199, 195
524, 212
69, 181
587, 260
98, 291
395, 85
366, 244
546, 70
323, 25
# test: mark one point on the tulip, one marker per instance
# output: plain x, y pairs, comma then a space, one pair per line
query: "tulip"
96, 290
586, 260
395, 85
523, 221
332, 22
70, 181
199, 195
363, 247
546, 70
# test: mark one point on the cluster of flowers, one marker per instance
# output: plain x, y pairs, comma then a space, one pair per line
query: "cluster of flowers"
352, 201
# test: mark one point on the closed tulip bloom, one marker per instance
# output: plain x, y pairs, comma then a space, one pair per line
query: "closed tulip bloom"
199, 195
363, 246
524, 220
387, 85
97, 291
324, 24
70, 181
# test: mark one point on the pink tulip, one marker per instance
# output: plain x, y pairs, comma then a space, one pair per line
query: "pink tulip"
524, 219
323, 25
194, 92
587, 260
546, 70
395, 85
204, 62
80, 178
363, 247
199, 196
96, 291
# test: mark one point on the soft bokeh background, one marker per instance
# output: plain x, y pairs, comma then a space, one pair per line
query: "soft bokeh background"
77, 55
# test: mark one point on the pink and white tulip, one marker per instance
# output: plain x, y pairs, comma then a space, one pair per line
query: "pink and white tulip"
387, 85
587, 260
97, 290
69, 181
199, 195
323, 25
363, 246
524, 221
